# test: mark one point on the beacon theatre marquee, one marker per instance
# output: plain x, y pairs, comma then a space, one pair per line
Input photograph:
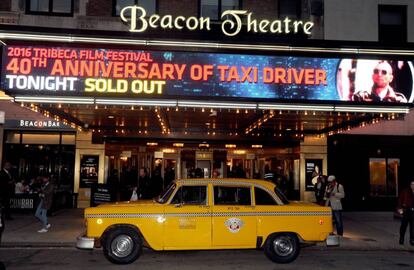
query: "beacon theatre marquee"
94, 72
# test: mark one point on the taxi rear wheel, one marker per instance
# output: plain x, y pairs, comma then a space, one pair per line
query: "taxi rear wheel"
282, 247
122, 245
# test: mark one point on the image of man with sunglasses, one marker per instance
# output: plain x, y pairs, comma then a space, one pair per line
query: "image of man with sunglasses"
381, 90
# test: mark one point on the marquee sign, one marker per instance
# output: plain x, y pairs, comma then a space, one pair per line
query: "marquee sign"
232, 22
162, 74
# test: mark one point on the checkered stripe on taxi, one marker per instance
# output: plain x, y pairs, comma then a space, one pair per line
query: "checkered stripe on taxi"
218, 214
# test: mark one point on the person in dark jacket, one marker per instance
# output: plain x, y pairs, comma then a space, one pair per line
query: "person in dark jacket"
6, 188
157, 182
144, 185
406, 208
46, 199
2, 225
320, 188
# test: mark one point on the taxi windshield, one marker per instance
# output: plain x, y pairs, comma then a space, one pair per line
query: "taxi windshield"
166, 193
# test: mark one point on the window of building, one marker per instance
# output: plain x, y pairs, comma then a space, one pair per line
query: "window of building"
263, 198
290, 8
150, 6
383, 176
392, 26
50, 7
214, 8
232, 195
191, 195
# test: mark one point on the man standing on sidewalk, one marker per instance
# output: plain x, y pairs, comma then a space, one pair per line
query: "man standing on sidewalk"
6, 188
46, 198
406, 206
333, 195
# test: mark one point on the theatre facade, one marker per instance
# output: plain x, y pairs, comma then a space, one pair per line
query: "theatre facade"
181, 94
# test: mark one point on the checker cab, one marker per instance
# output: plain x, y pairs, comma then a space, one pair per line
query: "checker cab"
195, 214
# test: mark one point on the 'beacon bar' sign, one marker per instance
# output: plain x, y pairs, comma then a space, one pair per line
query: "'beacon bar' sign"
232, 22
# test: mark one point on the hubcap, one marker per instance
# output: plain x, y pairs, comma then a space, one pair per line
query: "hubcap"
122, 246
283, 246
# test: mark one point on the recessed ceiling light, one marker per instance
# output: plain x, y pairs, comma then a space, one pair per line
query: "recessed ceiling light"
111, 116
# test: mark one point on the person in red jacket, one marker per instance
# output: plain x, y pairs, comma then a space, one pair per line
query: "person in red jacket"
406, 208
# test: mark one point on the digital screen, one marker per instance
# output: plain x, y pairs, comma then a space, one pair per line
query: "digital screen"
162, 74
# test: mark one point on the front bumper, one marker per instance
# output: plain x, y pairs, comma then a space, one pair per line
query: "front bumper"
332, 240
85, 242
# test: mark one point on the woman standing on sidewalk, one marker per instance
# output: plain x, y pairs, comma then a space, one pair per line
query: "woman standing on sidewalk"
406, 208
46, 197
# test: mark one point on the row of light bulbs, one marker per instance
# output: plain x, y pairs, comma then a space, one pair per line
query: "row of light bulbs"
48, 114
248, 131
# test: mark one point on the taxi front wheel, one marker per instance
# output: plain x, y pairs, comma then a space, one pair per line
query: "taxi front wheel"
122, 245
282, 247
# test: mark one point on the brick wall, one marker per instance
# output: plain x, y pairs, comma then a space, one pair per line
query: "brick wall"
178, 7
5, 5
98, 8
267, 8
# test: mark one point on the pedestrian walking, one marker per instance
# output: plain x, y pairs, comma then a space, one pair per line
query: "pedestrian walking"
333, 195
406, 208
46, 199
6, 189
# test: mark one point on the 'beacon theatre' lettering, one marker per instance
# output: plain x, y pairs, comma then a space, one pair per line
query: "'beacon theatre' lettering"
232, 23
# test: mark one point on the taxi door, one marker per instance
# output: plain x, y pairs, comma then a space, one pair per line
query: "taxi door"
234, 220
187, 222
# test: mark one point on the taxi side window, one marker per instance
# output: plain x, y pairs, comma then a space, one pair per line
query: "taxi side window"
263, 198
232, 195
193, 195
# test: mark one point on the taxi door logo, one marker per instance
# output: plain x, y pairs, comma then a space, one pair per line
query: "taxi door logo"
234, 224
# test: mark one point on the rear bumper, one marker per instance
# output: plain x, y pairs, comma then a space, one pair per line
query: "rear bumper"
85, 242
332, 240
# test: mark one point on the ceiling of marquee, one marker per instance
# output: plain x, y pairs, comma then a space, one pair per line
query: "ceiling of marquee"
198, 123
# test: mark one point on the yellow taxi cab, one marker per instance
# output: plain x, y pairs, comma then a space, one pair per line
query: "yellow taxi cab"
195, 214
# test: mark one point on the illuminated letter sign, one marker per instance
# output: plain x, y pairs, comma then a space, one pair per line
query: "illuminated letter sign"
139, 22
97, 72
231, 26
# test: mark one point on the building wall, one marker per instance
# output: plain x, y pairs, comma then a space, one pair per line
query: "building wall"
84, 146
5, 5
99, 8
267, 9
312, 148
349, 157
1, 144
178, 7
97, 14
403, 127
358, 20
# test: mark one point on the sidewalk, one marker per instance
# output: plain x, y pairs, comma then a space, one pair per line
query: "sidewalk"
363, 231
67, 225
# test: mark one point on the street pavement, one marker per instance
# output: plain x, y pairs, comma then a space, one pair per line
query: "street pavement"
71, 258
363, 231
